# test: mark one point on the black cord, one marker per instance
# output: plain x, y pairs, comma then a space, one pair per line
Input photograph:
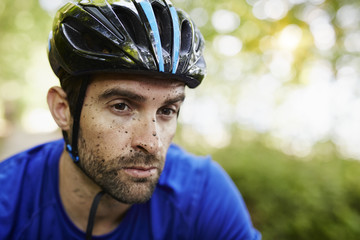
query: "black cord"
72, 147
93, 209
76, 124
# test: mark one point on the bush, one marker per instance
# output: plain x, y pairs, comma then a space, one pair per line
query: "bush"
289, 198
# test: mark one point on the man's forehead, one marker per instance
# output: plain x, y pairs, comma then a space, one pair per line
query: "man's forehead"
140, 89
137, 79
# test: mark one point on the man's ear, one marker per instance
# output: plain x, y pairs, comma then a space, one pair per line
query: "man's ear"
59, 107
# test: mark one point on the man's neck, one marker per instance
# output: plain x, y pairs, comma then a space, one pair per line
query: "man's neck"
77, 193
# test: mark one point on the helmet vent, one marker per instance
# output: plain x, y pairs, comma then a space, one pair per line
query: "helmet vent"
164, 22
85, 39
186, 38
132, 24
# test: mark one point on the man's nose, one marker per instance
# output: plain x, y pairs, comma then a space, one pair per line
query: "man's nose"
145, 135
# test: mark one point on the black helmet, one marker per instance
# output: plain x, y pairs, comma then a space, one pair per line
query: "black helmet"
126, 36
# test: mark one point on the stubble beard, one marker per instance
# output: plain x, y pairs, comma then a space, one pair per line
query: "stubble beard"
110, 176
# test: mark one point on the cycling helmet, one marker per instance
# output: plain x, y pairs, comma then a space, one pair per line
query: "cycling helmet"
126, 36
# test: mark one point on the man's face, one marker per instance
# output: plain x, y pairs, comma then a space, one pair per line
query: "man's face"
126, 127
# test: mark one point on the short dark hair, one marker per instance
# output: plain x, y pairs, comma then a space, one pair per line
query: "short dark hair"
71, 85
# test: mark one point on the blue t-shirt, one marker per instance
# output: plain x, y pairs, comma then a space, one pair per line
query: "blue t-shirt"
194, 199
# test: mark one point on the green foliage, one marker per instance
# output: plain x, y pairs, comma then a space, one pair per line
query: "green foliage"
24, 29
23, 24
292, 198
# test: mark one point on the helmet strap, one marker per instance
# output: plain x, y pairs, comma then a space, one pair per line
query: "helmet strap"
72, 147
92, 214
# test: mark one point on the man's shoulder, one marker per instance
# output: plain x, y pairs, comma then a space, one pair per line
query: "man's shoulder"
178, 155
182, 164
26, 181
186, 174
190, 172
201, 197
25, 168
31, 156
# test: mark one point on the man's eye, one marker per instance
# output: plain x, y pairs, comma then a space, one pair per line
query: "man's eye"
121, 107
167, 111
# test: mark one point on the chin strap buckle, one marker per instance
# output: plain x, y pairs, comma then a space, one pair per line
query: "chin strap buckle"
74, 156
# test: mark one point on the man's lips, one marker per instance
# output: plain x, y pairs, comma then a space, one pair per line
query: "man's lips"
140, 172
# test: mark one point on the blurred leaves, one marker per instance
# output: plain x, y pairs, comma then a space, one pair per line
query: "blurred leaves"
290, 69
23, 27
294, 198
23, 24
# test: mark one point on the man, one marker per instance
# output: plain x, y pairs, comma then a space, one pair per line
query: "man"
123, 66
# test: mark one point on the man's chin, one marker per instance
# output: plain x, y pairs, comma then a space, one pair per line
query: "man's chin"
133, 199
140, 191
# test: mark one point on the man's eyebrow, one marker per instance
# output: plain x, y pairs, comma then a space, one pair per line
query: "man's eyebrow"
121, 93
179, 98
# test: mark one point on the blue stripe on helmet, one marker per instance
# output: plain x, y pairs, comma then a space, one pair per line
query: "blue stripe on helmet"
49, 43
146, 6
176, 38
